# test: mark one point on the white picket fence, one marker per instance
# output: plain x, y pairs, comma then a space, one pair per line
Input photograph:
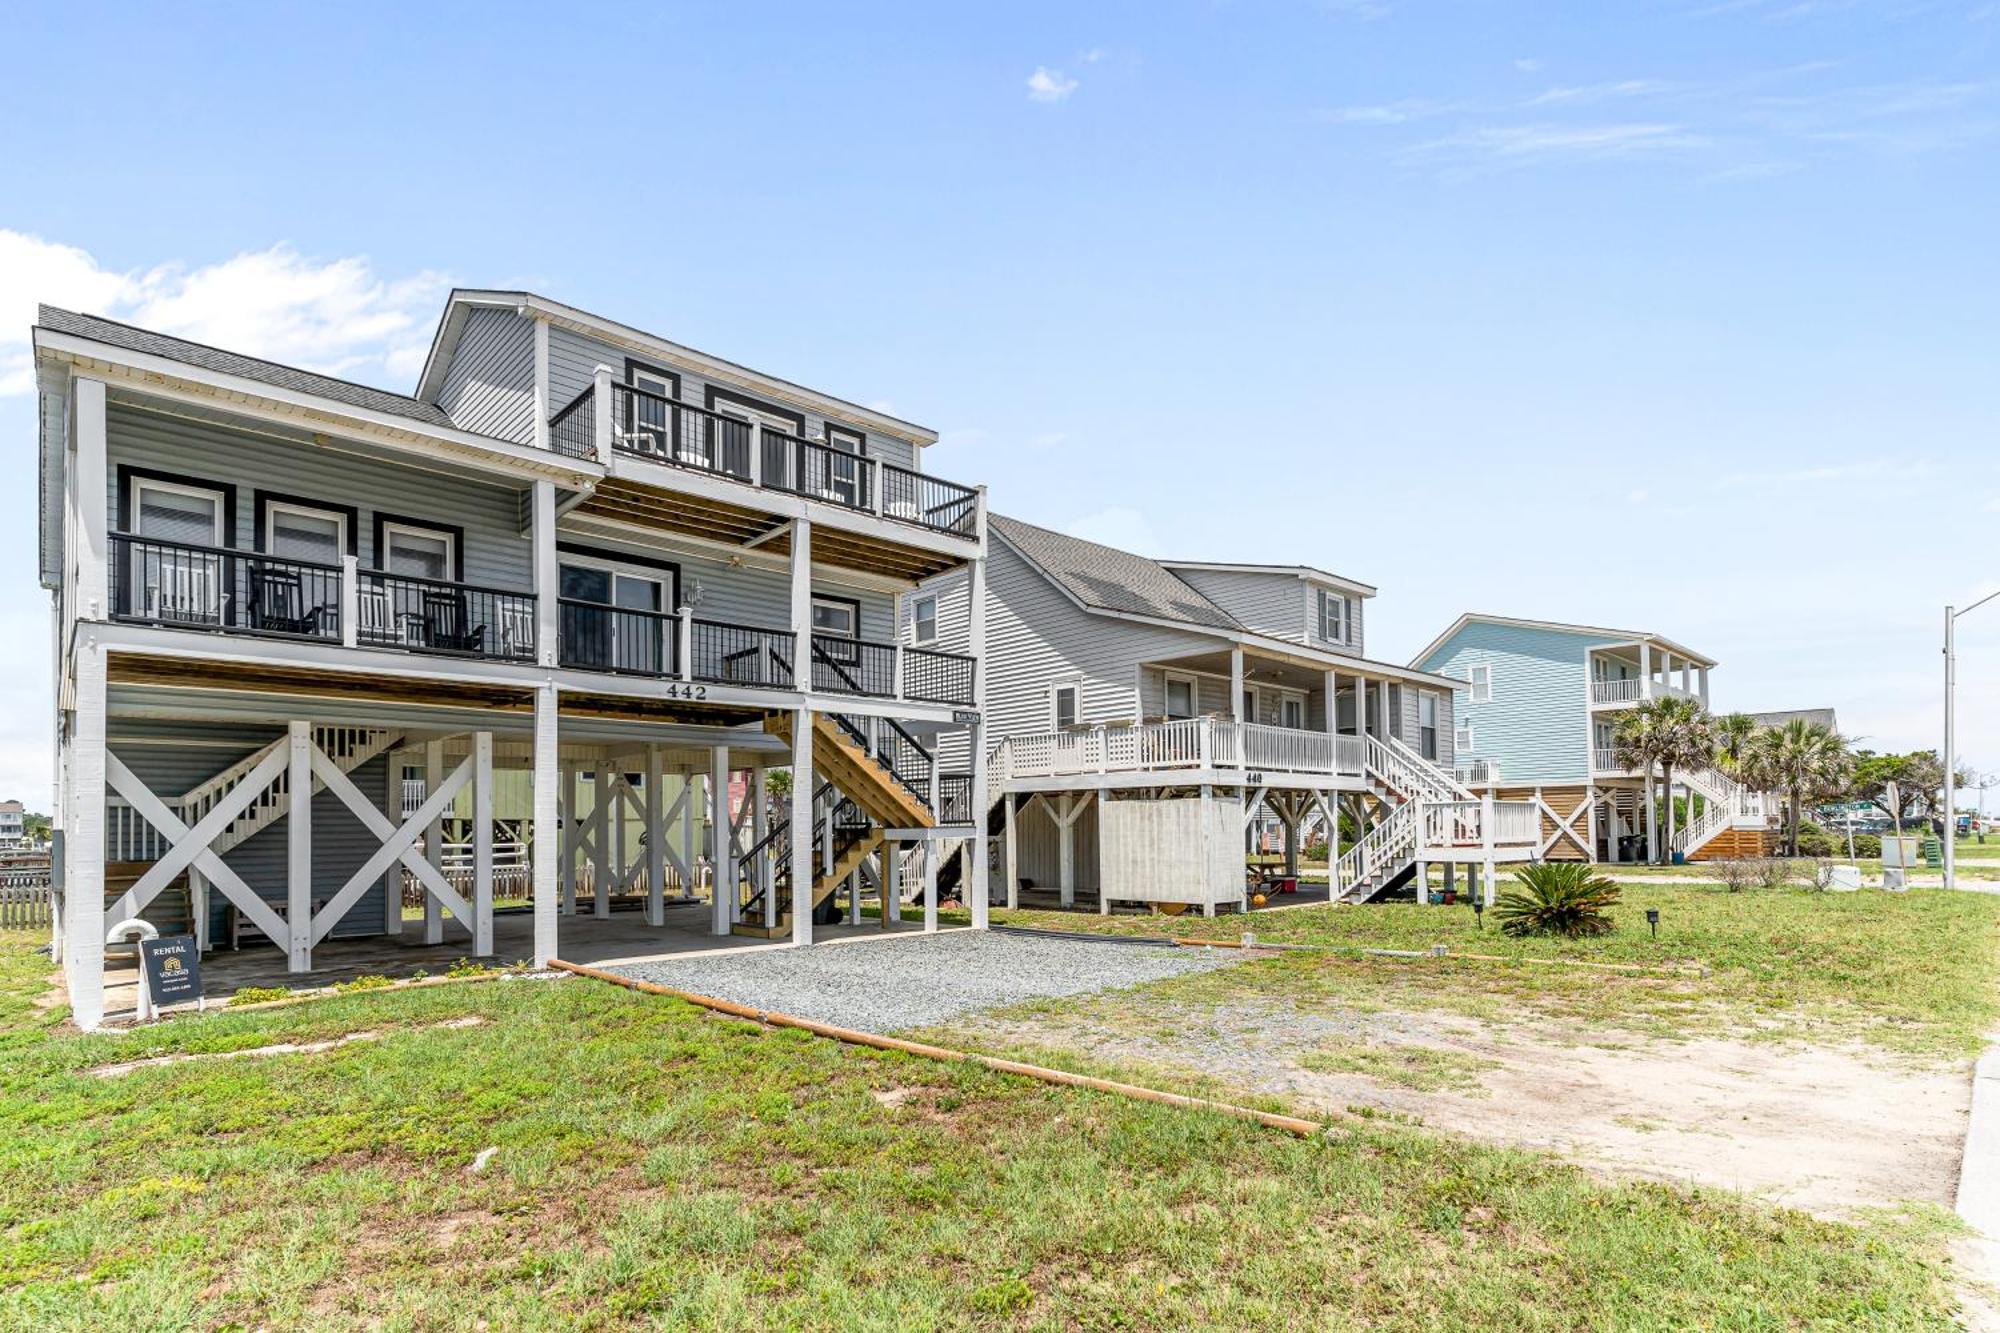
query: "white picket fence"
27, 899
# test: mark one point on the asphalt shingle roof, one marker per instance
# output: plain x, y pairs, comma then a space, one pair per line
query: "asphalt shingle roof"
145, 341
1109, 579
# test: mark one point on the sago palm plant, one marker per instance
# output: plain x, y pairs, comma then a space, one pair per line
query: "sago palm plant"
1670, 732
1566, 898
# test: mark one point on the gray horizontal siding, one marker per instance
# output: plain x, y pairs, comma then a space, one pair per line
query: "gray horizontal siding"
53, 403
574, 358
489, 387
495, 553
1273, 604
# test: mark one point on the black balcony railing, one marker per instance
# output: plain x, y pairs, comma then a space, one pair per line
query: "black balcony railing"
573, 430
218, 588
930, 502
652, 426
853, 666
954, 798
596, 637
432, 615
939, 678
741, 654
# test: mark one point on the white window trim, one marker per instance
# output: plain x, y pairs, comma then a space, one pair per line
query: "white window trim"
1462, 739
140, 485
917, 636
666, 580
273, 508
450, 540
1167, 679
1056, 687
844, 605
1474, 683
1286, 699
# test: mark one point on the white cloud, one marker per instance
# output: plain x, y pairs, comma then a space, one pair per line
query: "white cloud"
1527, 145
1049, 85
1119, 526
1092, 56
1527, 65
1598, 92
1048, 439
1386, 113
337, 316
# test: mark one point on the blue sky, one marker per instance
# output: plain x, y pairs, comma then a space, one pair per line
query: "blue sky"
1676, 316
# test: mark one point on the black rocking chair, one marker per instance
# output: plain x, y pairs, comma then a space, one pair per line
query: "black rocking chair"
444, 622
280, 603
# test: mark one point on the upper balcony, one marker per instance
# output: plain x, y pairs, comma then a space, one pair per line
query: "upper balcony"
645, 425
224, 590
1625, 674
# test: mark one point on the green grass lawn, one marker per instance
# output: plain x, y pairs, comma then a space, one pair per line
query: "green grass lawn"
1914, 973
660, 1167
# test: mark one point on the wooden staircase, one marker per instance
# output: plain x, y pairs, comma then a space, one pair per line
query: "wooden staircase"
869, 784
844, 864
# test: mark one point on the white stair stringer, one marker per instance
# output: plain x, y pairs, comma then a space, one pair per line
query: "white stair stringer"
348, 747
1397, 774
1725, 802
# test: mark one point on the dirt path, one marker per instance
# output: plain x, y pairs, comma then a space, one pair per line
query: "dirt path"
1823, 1129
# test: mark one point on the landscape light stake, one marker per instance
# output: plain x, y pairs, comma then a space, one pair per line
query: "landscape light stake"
1653, 921
1478, 913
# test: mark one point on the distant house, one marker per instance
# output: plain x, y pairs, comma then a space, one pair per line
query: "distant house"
13, 824
1537, 718
1151, 717
1820, 717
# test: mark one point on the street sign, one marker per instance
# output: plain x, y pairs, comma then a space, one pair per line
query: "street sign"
173, 969
967, 715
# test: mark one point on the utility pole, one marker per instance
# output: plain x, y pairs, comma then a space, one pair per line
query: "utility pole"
1950, 753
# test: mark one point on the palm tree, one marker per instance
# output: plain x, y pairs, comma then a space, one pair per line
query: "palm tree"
1671, 732
1734, 733
1805, 761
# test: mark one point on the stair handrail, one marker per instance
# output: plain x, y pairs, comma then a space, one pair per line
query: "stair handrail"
1387, 840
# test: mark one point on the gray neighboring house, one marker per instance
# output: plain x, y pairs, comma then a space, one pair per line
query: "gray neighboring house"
1143, 713
313, 637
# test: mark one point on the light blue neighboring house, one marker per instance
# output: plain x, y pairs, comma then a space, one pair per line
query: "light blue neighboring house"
1536, 719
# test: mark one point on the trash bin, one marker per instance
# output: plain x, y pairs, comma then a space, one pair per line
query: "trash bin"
1680, 858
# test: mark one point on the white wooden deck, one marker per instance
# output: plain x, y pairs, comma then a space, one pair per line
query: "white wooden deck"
1190, 751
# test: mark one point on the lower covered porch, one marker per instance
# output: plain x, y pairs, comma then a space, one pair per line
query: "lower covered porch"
306, 839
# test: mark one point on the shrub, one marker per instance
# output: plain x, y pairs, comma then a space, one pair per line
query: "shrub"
1736, 874
367, 981
259, 994
1773, 872
1558, 898
1815, 840
1868, 845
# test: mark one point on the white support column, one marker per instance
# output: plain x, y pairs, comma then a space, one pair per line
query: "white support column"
930, 887
600, 850
892, 883
1066, 848
723, 904
601, 414
392, 878
566, 812
1703, 672
548, 583
298, 847
1332, 804
1590, 822
801, 586
977, 850
1652, 821
92, 549
656, 841
1013, 854
1207, 825
350, 600
549, 780
1423, 881
482, 844
1236, 683
434, 840
690, 821
802, 803
83, 834
1488, 890
1645, 670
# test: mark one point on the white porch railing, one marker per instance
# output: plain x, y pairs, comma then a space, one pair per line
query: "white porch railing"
1185, 743
1463, 824
1636, 688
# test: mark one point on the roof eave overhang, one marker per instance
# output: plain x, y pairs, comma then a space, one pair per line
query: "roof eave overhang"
149, 373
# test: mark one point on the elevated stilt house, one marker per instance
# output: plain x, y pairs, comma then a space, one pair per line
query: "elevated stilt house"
325, 650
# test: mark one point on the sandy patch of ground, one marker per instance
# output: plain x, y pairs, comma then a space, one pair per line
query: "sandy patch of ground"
1829, 1130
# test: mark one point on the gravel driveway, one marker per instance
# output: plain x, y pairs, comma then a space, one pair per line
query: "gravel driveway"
913, 980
